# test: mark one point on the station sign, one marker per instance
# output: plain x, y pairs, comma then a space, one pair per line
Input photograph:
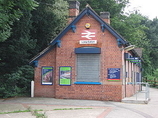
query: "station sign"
134, 60
88, 37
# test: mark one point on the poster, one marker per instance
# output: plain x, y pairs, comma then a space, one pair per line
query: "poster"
47, 75
65, 75
113, 73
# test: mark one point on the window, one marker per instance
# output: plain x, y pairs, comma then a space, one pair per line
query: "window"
88, 67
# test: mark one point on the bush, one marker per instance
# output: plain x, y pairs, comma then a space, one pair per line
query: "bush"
17, 83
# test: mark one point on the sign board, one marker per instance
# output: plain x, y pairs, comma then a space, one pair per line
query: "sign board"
65, 75
88, 37
47, 75
134, 60
113, 73
88, 41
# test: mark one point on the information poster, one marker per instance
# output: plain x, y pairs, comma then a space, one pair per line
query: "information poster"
47, 75
114, 74
65, 75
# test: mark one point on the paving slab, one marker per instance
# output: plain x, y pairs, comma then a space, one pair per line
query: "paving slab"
63, 108
11, 107
82, 113
17, 115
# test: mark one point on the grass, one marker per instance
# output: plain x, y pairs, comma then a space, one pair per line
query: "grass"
72, 108
19, 111
34, 112
39, 115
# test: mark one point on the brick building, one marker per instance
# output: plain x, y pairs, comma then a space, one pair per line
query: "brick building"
87, 60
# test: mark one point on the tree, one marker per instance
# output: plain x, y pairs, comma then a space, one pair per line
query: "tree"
48, 20
11, 11
132, 29
152, 34
30, 34
115, 7
15, 50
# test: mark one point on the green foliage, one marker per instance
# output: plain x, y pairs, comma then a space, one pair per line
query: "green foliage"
115, 7
11, 11
48, 20
39, 115
155, 73
19, 111
72, 108
152, 34
34, 112
17, 83
29, 30
132, 29
17, 50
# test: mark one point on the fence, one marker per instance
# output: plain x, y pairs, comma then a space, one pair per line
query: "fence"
142, 96
152, 83
145, 90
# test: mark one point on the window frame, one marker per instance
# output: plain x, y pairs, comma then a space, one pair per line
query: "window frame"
97, 82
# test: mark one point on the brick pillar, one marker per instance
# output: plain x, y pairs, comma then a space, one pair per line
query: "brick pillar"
105, 16
73, 10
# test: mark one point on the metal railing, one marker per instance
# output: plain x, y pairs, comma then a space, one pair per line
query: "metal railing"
145, 88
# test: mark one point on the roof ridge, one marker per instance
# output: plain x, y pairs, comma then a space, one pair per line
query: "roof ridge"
86, 11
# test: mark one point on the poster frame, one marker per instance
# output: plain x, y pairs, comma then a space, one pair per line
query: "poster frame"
118, 75
70, 76
42, 74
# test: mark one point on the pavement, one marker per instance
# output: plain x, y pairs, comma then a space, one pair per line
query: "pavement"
141, 97
71, 108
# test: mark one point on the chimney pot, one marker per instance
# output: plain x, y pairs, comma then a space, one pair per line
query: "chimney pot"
74, 5
105, 16
73, 9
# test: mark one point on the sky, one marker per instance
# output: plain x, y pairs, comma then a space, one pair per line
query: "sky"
147, 8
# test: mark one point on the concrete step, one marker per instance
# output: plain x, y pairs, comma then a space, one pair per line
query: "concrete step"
135, 101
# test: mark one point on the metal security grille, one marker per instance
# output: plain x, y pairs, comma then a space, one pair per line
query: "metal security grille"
88, 67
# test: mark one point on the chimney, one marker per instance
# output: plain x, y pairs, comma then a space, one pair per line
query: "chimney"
73, 9
105, 16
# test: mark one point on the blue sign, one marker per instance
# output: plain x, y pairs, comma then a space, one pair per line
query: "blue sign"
113, 73
134, 60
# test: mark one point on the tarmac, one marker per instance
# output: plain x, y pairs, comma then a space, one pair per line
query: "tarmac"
72, 108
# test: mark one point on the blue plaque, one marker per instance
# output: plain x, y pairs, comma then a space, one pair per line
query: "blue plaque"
114, 73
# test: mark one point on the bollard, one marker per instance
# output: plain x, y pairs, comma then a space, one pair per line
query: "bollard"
32, 88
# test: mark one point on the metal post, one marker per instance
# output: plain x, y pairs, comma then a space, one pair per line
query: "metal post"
32, 88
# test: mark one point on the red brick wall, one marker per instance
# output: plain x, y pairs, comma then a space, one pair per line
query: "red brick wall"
131, 89
45, 90
111, 57
90, 92
123, 91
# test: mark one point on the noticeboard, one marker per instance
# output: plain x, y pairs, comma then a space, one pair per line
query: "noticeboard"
47, 75
113, 73
65, 75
